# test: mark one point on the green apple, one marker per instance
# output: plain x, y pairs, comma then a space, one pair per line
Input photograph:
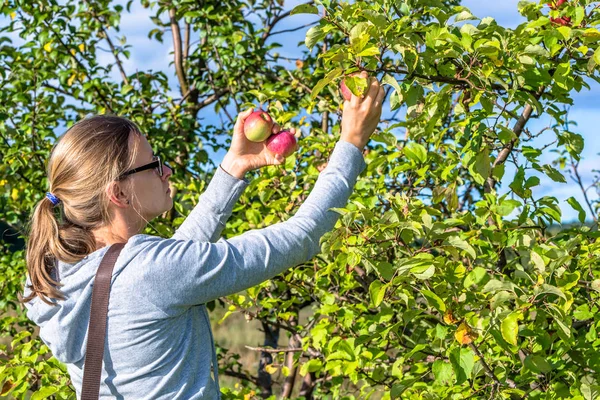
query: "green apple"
258, 126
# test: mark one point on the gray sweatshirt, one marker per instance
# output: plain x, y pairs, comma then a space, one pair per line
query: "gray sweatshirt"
159, 341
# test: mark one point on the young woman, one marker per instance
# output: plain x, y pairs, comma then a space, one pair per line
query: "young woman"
108, 184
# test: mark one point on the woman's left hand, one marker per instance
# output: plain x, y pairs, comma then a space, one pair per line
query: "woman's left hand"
244, 155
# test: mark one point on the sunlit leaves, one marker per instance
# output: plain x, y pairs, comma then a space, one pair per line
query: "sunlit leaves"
426, 261
577, 207
510, 327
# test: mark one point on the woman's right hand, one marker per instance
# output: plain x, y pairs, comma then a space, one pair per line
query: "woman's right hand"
361, 114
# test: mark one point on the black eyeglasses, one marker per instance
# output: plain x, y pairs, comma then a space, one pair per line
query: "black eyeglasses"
157, 164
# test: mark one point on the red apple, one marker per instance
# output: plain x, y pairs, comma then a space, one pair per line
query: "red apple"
283, 143
556, 4
346, 93
564, 21
258, 126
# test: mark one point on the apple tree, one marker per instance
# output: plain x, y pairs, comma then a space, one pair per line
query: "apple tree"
445, 277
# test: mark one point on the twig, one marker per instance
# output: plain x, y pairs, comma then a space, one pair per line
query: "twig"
490, 183
270, 350
274, 22
294, 29
579, 181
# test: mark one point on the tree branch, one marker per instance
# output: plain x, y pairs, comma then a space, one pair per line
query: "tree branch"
178, 52
186, 42
110, 43
274, 22
517, 130
293, 29
579, 181
240, 375
288, 383
80, 65
271, 350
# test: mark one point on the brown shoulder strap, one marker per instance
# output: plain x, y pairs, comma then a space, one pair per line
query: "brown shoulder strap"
94, 352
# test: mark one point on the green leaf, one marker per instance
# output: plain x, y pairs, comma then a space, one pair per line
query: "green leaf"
510, 327
390, 80
434, 300
549, 289
463, 361
554, 174
537, 50
507, 207
577, 207
583, 312
415, 152
500, 298
561, 320
325, 81
537, 364
369, 51
404, 9
481, 168
590, 392
597, 56
126, 89
377, 292
462, 244
313, 36
44, 392
359, 36
356, 84
475, 276
538, 261
395, 100
465, 16
568, 280
443, 373
423, 272
313, 365
305, 9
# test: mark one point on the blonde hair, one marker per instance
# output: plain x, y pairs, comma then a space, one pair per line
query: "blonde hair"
91, 154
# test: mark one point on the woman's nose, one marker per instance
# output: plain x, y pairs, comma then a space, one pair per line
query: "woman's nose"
167, 172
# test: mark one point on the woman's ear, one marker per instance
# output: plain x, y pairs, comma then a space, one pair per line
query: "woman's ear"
117, 195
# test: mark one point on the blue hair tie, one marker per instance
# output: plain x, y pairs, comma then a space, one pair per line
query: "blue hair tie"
55, 200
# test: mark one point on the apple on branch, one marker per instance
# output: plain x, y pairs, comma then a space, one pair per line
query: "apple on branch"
355, 81
346, 93
556, 4
564, 21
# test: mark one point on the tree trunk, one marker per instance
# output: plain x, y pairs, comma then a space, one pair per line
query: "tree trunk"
265, 382
308, 385
288, 383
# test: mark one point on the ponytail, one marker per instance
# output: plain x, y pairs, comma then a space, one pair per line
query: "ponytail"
50, 241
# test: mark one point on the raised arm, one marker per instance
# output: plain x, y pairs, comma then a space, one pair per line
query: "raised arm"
181, 273
207, 220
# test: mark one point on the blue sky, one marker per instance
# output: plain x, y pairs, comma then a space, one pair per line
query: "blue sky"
147, 54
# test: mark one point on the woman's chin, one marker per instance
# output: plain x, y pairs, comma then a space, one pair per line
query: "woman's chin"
169, 205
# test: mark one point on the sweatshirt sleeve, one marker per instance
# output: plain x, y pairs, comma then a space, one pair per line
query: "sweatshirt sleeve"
183, 273
207, 220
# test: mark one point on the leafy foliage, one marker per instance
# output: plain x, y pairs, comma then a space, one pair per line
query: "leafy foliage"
433, 284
